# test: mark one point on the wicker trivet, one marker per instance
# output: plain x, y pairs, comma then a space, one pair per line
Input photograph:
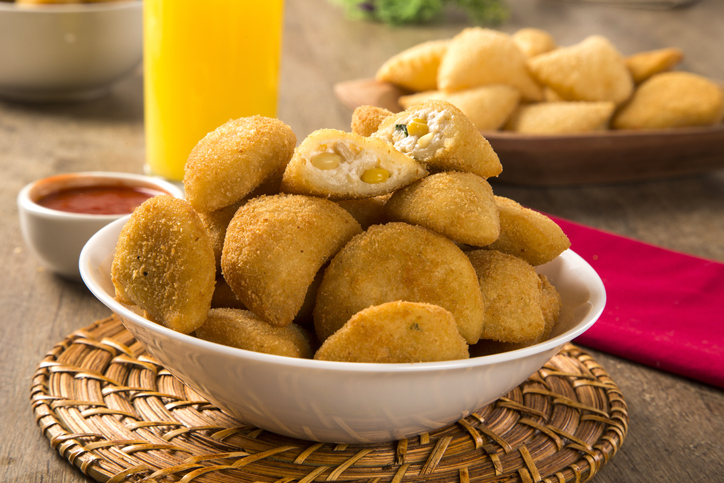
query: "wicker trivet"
116, 414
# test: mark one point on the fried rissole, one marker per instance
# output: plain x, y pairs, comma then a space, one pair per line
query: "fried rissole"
215, 223
439, 135
550, 303
528, 234
643, 65
274, 247
396, 332
245, 330
339, 165
367, 211
164, 263
512, 295
592, 70
397, 261
672, 99
561, 117
366, 119
487, 107
479, 56
460, 206
533, 41
234, 159
414, 68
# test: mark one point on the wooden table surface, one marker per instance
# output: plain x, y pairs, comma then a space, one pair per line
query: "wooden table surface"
676, 425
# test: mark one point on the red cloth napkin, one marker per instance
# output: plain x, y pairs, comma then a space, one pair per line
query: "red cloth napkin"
663, 309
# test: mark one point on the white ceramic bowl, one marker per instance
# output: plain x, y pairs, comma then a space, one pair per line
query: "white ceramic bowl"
342, 402
68, 52
57, 237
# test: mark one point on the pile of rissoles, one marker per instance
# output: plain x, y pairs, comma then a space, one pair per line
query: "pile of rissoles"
526, 83
384, 244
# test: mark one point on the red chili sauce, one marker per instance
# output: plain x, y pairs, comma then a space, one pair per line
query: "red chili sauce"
98, 200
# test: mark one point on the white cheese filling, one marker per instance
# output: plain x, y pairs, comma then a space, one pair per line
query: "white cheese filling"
420, 147
354, 161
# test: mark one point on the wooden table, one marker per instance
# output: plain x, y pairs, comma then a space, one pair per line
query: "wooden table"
676, 425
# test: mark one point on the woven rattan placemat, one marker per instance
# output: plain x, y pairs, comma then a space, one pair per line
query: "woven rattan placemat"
118, 415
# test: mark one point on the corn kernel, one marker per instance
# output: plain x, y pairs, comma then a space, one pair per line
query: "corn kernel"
417, 127
326, 160
425, 140
375, 175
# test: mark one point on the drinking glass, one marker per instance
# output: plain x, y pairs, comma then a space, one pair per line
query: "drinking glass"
205, 62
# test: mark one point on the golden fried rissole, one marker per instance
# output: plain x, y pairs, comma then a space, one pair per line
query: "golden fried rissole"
440, 136
550, 307
396, 332
414, 68
478, 56
487, 107
645, 64
366, 119
245, 330
397, 261
164, 263
460, 206
533, 41
550, 304
592, 70
528, 234
274, 247
234, 159
340, 165
215, 223
672, 99
511, 293
367, 211
409, 100
561, 117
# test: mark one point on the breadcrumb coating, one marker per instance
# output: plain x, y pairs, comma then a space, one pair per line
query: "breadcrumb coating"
397, 261
512, 294
672, 99
245, 330
274, 247
366, 119
528, 234
164, 263
396, 332
452, 142
234, 159
414, 68
460, 206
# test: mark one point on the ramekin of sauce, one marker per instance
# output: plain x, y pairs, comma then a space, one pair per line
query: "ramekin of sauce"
60, 213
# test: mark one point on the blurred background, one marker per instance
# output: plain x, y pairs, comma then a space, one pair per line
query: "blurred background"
675, 423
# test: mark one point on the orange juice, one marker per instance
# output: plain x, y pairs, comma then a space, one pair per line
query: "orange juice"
205, 62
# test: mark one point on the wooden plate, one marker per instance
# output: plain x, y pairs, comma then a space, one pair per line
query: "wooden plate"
577, 159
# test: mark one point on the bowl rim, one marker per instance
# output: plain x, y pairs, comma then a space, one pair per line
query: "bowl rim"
100, 6
596, 301
25, 202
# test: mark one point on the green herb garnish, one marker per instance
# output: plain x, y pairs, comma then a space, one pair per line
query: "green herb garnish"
409, 12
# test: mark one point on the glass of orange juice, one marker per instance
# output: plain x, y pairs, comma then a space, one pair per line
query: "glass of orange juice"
205, 62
